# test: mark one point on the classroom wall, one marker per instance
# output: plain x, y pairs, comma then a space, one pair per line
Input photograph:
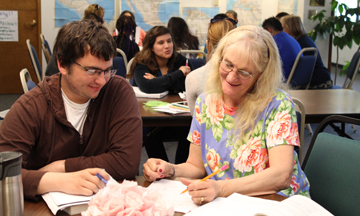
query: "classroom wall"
269, 8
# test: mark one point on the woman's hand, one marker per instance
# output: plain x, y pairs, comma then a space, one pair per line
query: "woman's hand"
185, 69
149, 76
203, 192
157, 168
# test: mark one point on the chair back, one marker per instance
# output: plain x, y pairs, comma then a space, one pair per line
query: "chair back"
119, 51
332, 166
26, 81
196, 63
352, 70
301, 124
128, 67
119, 63
45, 48
34, 60
303, 68
197, 52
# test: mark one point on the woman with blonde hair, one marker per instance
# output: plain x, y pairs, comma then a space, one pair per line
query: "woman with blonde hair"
246, 125
293, 25
94, 11
194, 83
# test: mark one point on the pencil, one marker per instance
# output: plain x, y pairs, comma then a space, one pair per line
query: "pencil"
211, 175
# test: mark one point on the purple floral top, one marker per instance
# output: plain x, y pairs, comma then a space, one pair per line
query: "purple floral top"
211, 128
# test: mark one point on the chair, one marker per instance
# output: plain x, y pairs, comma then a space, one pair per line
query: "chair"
196, 63
302, 70
301, 124
332, 168
193, 52
45, 48
351, 72
119, 51
34, 60
26, 81
128, 67
119, 63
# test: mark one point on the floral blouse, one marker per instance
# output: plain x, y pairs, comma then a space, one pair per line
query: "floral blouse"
211, 128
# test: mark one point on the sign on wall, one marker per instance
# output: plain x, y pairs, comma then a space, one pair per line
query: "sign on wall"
9, 30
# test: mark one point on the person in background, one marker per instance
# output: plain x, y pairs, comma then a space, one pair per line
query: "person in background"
217, 17
158, 68
142, 33
293, 25
183, 39
126, 37
288, 47
194, 83
77, 123
245, 122
232, 14
281, 14
94, 11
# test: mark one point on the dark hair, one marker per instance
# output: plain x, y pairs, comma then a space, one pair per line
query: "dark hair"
147, 57
272, 23
92, 16
182, 37
233, 13
126, 27
126, 11
220, 16
281, 14
75, 39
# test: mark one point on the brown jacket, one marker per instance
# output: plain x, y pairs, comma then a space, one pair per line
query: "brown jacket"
36, 125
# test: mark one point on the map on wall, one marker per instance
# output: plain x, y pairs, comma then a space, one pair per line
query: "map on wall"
249, 11
289, 6
72, 10
198, 19
151, 13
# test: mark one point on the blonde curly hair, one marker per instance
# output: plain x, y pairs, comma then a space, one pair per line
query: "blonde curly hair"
257, 47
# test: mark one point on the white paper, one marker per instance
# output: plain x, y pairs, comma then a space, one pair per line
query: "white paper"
139, 93
9, 29
170, 190
3, 113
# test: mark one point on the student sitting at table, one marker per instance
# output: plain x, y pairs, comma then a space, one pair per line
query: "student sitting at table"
157, 68
76, 123
194, 82
126, 37
244, 121
293, 25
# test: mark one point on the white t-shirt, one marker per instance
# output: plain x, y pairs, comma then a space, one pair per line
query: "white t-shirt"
75, 113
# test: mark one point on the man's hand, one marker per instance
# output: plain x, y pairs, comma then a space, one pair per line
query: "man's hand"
84, 182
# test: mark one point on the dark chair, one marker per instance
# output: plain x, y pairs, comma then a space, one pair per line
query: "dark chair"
300, 115
196, 63
26, 81
119, 63
34, 60
351, 71
302, 70
332, 168
45, 48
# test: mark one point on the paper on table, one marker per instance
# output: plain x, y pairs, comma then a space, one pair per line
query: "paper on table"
170, 109
139, 93
170, 190
3, 113
235, 204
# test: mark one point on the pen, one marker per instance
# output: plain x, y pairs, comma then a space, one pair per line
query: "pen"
187, 62
101, 178
211, 175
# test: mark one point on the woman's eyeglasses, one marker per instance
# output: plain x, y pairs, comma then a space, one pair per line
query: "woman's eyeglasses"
214, 20
225, 66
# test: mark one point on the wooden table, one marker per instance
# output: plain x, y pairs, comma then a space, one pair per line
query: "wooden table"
320, 104
40, 208
153, 118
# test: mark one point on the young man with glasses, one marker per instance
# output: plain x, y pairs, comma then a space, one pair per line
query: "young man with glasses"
77, 123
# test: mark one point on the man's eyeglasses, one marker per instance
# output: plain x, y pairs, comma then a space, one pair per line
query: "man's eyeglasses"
214, 20
225, 66
107, 73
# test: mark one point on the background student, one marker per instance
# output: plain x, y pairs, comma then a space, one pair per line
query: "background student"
157, 68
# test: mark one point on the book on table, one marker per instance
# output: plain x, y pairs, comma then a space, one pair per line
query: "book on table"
139, 93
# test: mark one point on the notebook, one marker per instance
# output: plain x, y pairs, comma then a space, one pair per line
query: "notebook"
139, 93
